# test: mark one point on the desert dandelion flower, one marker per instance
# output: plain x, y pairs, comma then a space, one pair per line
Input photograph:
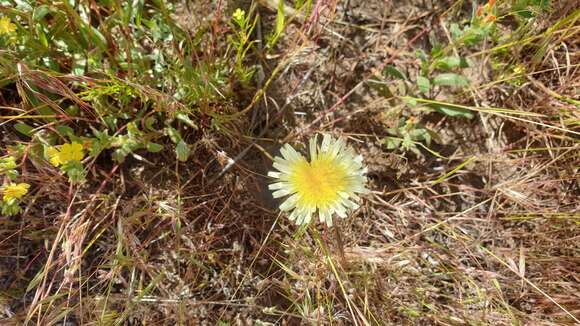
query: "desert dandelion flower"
326, 184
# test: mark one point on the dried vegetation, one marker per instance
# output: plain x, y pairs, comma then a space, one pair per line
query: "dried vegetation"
479, 227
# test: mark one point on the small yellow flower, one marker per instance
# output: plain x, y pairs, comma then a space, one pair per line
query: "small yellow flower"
519, 69
71, 152
52, 154
239, 14
6, 26
328, 183
65, 153
14, 191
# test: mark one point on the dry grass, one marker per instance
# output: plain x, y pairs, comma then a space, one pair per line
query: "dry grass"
481, 228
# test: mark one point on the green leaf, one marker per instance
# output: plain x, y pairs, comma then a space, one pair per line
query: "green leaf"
149, 122
437, 50
390, 70
280, 18
421, 55
98, 38
407, 143
525, 8
24, 129
42, 38
182, 150
392, 143
79, 64
473, 35
181, 116
65, 130
7, 163
380, 87
119, 155
173, 134
423, 83
39, 12
10, 208
455, 31
420, 134
74, 170
448, 63
411, 101
544, 4
450, 79
154, 147
452, 111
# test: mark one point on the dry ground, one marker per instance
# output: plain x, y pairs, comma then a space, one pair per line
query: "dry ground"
493, 242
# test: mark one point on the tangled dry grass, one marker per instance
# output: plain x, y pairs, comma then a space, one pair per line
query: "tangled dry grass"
485, 232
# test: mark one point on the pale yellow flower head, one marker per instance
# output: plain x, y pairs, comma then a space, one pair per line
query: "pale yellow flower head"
6, 26
14, 191
65, 153
327, 184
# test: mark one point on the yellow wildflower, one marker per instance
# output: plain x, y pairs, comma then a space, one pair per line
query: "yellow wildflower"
6, 26
519, 69
65, 153
14, 191
52, 154
328, 183
71, 152
239, 14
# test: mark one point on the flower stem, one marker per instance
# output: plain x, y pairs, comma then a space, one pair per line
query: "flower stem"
340, 245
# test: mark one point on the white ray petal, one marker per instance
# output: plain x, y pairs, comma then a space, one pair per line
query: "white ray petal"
307, 219
285, 168
290, 154
340, 210
289, 203
281, 193
329, 220
324, 215
336, 147
312, 144
300, 215
326, 142
284, 152
278, 185
293, 215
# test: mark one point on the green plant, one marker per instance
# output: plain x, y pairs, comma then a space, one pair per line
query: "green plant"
243, 28
444, 65
440, 73
140, 78
279, 26
406, 135
529, 8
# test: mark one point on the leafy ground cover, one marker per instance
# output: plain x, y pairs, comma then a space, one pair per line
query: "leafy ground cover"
136, 138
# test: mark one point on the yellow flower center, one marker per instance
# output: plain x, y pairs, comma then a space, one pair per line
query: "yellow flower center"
318, 182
